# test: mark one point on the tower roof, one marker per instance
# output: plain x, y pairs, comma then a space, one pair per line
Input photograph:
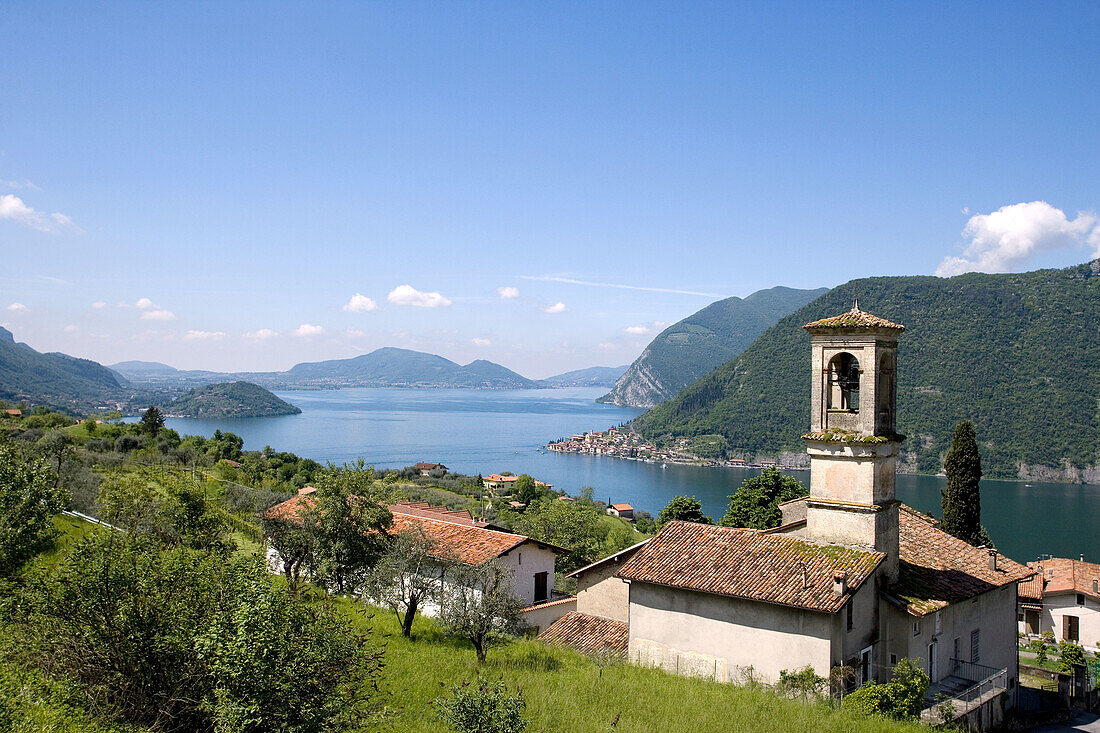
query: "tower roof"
855, 318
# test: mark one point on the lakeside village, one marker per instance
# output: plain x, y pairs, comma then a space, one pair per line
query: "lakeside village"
621, 442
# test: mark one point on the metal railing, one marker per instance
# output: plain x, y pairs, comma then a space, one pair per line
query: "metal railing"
988, 680
972, 671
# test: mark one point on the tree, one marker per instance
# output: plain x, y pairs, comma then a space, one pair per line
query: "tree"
152, 421
756, 502
407, 574
902, 697
577, 526
526, 490
292, 542
486, 707
29, 498
961, 500
55, 446
479, 604
685, 509
347, 519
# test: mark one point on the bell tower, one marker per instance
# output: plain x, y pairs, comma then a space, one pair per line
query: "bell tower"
852, 442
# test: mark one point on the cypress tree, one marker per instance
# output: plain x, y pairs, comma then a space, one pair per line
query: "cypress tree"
962, 503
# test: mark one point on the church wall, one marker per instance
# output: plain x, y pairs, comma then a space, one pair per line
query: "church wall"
712, 636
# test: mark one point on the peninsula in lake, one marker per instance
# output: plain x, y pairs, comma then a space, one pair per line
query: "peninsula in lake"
231, 399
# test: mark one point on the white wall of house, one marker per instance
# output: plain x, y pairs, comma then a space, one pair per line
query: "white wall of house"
713, 636
600, 593
992, 614
1057, 607
525, 562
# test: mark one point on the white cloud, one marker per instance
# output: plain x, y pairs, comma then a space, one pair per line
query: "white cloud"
408, 295
481, 342
19, 184
558, 307
12, 207
1012, 235
17, 307
643, 329
307, 329
99, 305
263, 333
71, 328
204, 335
158, 315
507, 292
360, 304
144, 304
571, 281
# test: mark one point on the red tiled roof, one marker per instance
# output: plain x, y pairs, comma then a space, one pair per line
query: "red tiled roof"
937, 569
592, 634
429, 466
442, 513
1061, 575
854, 318
622, 507
745, 563
292, 509
471, 545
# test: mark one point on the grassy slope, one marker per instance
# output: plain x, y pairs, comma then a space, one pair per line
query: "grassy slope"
566, 691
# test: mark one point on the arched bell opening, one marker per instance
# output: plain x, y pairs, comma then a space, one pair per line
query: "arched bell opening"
844, 376
886, 395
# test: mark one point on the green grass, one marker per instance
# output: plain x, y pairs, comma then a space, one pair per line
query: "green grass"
566, 691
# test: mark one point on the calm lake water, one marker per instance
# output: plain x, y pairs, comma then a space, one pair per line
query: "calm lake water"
474, 431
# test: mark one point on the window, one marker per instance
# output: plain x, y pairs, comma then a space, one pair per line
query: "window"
975, 645
849, 614
916, 628
955, 649
844, 383
519, 561
1080, 599
893, 659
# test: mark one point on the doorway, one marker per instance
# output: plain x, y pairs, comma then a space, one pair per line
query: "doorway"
540, 587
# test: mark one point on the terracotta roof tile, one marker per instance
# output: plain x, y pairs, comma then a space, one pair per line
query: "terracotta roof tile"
937, 569
1061, 575
591, 634
855, 318
745, 563
442, 513
471, 545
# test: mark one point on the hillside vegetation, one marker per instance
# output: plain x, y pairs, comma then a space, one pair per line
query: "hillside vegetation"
1017, 354
393, 367
232, 399
687, 350
52, 379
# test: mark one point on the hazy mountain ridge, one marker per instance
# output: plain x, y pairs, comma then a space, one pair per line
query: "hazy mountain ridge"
598, 376
55, 379
1018, 354
690, 348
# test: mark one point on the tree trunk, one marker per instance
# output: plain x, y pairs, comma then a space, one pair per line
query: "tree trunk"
479, 648
410, 614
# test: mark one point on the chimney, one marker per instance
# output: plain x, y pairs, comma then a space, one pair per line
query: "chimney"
840, 583
1082, 557
993, 559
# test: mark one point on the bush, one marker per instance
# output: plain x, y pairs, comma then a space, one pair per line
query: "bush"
1071, 654
802, 684
486, 707
902, 697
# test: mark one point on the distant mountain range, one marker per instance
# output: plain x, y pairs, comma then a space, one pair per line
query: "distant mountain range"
385, 367
1017, 354
54, 379
687, 350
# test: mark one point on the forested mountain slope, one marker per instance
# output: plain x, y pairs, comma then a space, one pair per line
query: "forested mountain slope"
232, 399
53, 379
687, 350
1019, 354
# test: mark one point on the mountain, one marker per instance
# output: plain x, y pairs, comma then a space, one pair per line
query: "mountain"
393, 367
230, 399
139, 368
54, 379
590, 377
687, 350
1018, 354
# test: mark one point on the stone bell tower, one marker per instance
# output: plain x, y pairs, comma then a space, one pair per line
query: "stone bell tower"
852, 442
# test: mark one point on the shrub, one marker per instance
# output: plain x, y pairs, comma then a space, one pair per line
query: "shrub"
1071, 654
902, 697
802, 684
486, 707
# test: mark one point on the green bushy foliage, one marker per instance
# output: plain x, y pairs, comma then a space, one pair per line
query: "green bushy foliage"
684, 509
756, 503
901, 698
484, 707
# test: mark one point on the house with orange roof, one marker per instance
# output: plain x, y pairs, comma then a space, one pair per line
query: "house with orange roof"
851, 578
458, 538
1062, 597
623, 511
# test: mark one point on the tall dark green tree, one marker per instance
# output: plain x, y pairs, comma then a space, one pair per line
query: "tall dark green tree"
962, 503
152, 421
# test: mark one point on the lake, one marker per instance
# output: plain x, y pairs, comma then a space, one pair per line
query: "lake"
480, 431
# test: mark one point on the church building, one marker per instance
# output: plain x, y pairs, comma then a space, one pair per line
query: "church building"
852, 578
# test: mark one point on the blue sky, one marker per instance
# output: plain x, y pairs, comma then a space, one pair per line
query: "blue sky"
210, 184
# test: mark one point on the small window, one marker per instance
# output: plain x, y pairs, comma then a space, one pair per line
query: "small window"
519, 561
975, 646
1080, 599
893, 659
916, 628
849, 615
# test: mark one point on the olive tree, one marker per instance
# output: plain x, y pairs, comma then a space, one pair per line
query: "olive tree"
480, 604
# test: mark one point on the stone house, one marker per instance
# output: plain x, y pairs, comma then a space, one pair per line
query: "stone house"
1063, 597
851, 578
